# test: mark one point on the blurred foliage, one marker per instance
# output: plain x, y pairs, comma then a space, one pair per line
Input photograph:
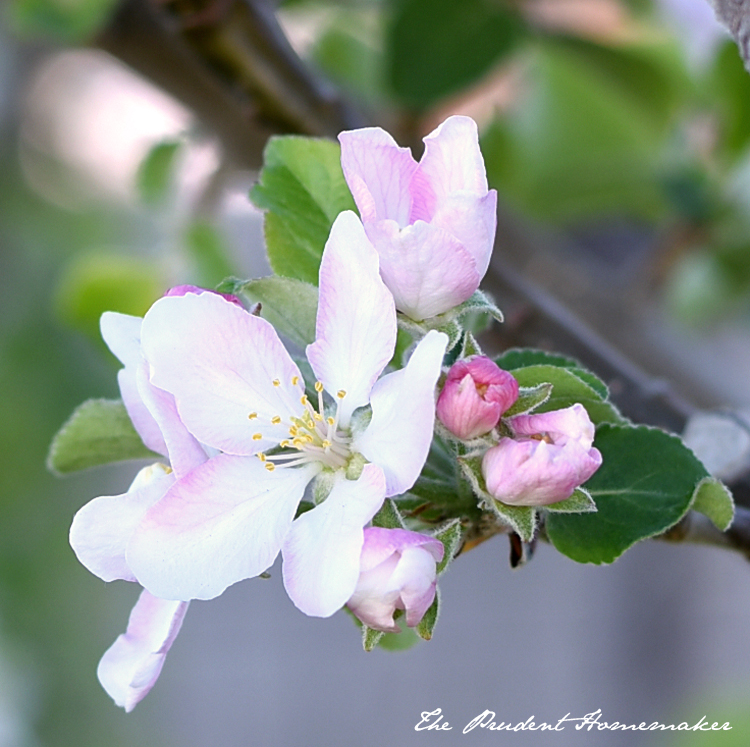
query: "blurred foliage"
62, 20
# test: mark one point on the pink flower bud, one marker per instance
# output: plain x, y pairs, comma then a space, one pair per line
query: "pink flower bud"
397, 572
476, 393
551, 456
183, 290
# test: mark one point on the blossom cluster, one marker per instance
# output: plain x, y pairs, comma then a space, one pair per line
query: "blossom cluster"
260, 460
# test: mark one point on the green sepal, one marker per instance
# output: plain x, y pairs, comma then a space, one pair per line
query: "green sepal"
529, 398
647, 482
427, 624
712, 499
470, 346
521, 519
98, 432
302, 188
400, 641
580, 502
290, 305
450, 535
569, 389
370, 637
388, 517
478, 302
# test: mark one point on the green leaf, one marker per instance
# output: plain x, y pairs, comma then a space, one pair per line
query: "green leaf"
578, 503
523, 357
712, 499
209, 252
569, 388
155, 175
303, 189
451, 536
427, 624
290, 305
437, 47
98, 432
529, 398
645, 485
68, 21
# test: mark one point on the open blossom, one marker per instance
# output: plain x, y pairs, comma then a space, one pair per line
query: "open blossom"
550, 457
239, 392
433, 222
475, 395
102, 529
397, 572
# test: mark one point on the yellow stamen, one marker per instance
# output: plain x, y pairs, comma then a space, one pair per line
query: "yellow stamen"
285, 444
330, 420
257, 436
318, 386
252, 415
276, 382
270, 466
341, 393
295, 380
275, 419
261, 456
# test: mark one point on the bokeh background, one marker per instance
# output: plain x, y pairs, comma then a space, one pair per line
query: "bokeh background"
617, 135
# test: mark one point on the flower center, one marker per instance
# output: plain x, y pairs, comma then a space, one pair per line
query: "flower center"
313, 436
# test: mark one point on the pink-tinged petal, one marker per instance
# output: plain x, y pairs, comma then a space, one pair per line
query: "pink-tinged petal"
378, 173
399, 435
452, 161
397, 571
322, 550
427, 270
131, 666
122, 333
102, 529
183, 290
224, 522
561, 426
356, 324
227, 369
184, 450
473, 221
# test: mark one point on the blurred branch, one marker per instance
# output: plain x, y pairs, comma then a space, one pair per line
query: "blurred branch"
697, 528
231, 64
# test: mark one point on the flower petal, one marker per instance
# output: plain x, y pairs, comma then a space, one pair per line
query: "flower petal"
356, 324
102, 529
220, 363
452, 160
131, 666
427, 270
415, 577
399, 435
184, 450
223, 522
122, 333
322, 550
378, 173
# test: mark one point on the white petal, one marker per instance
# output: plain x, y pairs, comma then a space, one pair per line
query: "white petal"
183, 449
322, 550
224, 522
378, 173
131, 666
220, 363
356, 325
102, 529
399, 435
122, 333
452, 160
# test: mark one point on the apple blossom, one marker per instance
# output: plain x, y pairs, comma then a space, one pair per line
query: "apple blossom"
397, 572
550, 457
433, 222
475, 395
238, 391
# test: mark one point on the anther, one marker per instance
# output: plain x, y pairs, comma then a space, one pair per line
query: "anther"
295, 380
252, 415
318, 386
257, 436
270, 466
276, 382
276, 419
341, 393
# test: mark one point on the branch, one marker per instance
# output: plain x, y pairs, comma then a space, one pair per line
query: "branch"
699, 529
